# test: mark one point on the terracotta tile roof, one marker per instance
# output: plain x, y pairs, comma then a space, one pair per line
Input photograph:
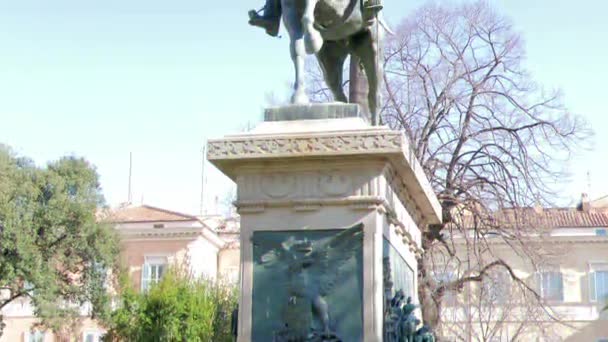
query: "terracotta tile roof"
146, 213
549, 218
573, 218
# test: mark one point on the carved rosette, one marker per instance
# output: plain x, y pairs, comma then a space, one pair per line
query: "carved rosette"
278, 185
335, 183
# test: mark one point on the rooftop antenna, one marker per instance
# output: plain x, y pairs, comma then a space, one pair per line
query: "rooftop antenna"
129, 200
589, 182
202, 208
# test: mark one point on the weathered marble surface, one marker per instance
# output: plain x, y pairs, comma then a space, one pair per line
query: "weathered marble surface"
308, 174
346, 138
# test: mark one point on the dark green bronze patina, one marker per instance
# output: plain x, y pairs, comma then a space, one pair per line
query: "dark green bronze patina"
307, 285
332, 30
400, 322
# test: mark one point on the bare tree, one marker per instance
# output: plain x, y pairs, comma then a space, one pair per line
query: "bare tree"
496, 308
488, 137
492, 142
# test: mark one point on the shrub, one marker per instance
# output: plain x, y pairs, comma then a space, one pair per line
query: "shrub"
178, 308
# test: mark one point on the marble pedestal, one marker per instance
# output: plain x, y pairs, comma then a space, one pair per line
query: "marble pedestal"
311, 172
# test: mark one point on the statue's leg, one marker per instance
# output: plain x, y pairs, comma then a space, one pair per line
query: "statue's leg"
298, 53
271, 18
331, 57
366, 47
322, 309
312, 38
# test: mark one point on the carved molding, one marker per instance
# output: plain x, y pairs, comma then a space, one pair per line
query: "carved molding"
250, 208
312, 204
398, 188
251, 147
278, 185
306, 185
406, 237
306, 206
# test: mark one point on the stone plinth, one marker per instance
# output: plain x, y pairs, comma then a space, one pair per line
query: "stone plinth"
300, 183
314, 111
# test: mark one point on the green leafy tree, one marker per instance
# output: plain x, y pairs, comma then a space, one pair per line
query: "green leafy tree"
52, 250
178, 308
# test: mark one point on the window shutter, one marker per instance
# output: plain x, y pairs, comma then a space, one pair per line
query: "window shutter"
560, 286
161, 272
536, 280
592, 296
145, 275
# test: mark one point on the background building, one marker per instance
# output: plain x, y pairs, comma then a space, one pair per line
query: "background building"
152, 239
572, 282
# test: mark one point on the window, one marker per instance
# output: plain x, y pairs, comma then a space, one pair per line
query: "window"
496, 288
444, 278
551, 286
601, 232
598, 282
28, 287
34, 336
231, 274
92, 336
100, 271
152, 271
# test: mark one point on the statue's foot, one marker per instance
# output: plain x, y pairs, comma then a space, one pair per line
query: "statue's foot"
371, 8
299, 98
312, 41
271, 25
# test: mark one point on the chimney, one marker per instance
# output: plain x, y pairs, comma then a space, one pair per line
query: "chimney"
538, 208
584, 206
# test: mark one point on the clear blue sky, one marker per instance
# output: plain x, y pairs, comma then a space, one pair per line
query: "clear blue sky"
101, 79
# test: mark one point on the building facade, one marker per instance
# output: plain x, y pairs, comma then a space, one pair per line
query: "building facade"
152, 239
572, 283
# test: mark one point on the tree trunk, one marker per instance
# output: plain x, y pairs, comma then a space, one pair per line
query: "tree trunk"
428, 307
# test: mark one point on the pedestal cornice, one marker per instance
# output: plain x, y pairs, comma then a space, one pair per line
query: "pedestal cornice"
236, 151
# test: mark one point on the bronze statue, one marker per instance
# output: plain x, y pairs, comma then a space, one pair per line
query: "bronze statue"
234, 322
270, 19
424, 334
331, 29
393, 317
400, 323
312, 270
409, 322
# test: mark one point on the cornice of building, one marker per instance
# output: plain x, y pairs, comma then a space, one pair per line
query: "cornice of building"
138, 233
547, 239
